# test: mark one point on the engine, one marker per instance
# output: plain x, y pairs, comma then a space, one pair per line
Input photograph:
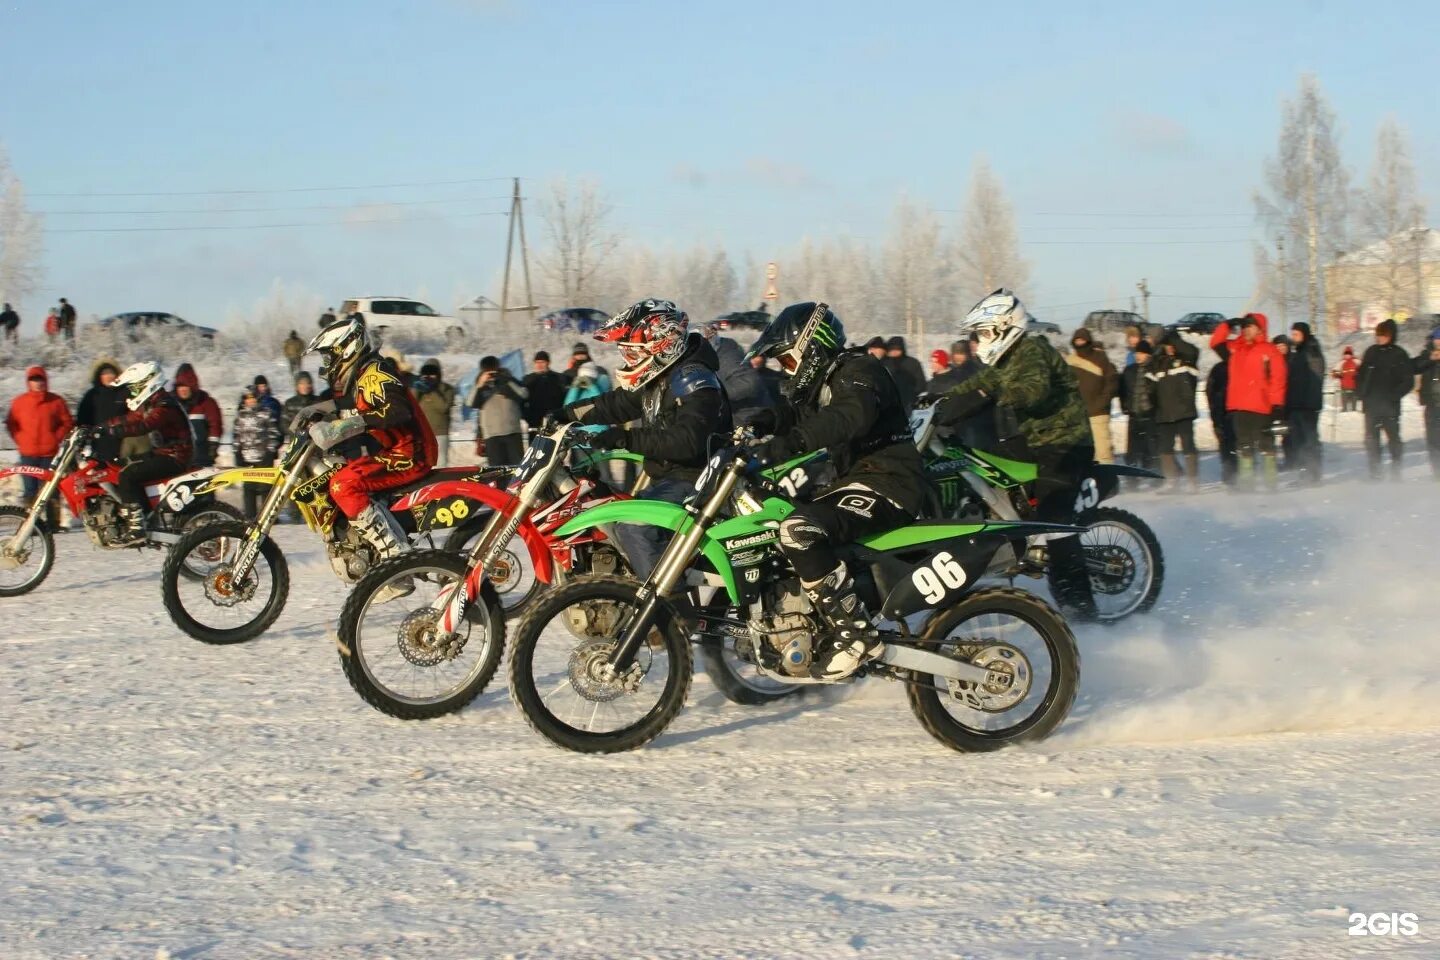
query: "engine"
102, 521
787, 624
350, 558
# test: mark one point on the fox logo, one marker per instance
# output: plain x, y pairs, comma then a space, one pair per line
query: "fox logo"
370, 388
394, 463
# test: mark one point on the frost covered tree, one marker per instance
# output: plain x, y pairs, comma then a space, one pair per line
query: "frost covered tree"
987, 251
21, 238
580, 243
914, 269
1304, 204
1391, 215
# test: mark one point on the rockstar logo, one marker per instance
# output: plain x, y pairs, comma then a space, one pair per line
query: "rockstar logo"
370, 387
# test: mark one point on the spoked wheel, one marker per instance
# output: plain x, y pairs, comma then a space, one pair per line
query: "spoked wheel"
1124, 560
513, 576
392, 650
1034, 666
204, 557
216, 607
562, 680
23, 569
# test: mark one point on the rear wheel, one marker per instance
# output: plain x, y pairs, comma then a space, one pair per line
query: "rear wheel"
23, 569
215, 608
1032, 657
199, 563
1123, 557
390, 650
559, 677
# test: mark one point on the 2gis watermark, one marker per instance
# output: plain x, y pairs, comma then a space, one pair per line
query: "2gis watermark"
1383, 924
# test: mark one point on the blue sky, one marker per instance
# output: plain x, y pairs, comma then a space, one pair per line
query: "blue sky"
752, 124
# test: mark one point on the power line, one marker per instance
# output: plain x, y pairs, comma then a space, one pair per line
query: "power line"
210, 193
315, 206
1112, 243
269, 226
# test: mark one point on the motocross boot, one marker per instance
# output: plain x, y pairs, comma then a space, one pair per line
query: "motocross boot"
851, 639
378, 527
132, 526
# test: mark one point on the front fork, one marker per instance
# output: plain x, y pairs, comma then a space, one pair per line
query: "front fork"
671, 567
42, 499
264, 521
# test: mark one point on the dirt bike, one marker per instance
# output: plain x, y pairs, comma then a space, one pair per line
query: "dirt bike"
416, 656
603, 663
1122, 553
27, 544
245, 588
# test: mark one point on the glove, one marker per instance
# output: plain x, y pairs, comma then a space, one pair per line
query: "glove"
774, 450
332, 433
309, 414
762, 421
612, 438
115, 428
953, 409
563, 415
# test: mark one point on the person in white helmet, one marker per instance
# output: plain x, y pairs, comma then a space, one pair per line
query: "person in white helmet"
153, 411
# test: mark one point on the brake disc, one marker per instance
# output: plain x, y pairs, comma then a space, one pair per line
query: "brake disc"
593, 677
421, 644
221, 590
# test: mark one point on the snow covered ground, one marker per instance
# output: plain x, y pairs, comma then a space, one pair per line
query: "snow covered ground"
1246, 766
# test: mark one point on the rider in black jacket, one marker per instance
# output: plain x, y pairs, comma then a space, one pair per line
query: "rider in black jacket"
669, 383
846, 402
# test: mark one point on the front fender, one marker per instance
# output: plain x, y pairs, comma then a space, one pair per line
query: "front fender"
23, 470
654, 513
493, 498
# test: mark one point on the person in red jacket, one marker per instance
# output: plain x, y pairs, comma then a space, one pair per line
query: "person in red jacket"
1255, 394
1347, 373
203, 414
157, 413
38, 421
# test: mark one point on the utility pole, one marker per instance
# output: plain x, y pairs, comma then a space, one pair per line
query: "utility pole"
516, 224
1144, 289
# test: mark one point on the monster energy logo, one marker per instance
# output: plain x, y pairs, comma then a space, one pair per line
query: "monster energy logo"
817, 327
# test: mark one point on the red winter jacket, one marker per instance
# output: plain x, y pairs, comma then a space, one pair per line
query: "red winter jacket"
1349, 370
165, 421
203, 412
38, 419
1257, 371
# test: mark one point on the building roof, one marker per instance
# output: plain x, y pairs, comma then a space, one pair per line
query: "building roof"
1381, 250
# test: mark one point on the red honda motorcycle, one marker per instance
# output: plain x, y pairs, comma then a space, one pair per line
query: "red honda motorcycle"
27, 542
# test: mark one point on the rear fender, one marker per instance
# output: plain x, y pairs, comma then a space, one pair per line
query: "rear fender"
1102, 481
654, 513
227, 478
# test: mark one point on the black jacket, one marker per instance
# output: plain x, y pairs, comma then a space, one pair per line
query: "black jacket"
1305, 376
859, 417
9, 318
1429, 372
1216, 385
1386, 374
909, 376
743, 384
680, 413
546, 395
1175, 379
1137, 391
99, 406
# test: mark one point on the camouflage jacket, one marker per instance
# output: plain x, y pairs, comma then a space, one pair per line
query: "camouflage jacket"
1034, 387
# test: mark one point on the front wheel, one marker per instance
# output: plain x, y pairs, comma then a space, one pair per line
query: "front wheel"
389, 646
199, 563
23, 569
559, 676
1032, 657
513, 575
1124, 561
216, 608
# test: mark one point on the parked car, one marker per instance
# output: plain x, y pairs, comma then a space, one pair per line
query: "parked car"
154, 322
744, 320
1044, 328
1204, 323
578, 319
1106, 321
401, 315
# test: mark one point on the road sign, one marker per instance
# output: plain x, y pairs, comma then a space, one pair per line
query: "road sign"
772, 271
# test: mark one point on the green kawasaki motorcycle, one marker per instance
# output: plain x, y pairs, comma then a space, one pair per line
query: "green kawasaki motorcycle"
603, 664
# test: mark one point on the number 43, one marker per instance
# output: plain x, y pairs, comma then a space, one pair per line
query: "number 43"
939, 577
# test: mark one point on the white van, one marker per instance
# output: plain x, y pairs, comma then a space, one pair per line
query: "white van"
385, 316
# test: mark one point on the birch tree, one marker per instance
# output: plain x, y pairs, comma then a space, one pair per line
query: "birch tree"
1391, 215
1304, 204
914, 270
987, 252
21, 238
580, 243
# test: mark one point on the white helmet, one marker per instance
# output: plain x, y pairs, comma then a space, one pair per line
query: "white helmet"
996, 323
341, 345
144, 380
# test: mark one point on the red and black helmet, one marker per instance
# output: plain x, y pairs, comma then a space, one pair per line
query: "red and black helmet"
651, 336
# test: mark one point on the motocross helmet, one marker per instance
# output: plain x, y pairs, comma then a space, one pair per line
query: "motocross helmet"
651, 335
341, 346
805, 339
142, 381
996, 323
